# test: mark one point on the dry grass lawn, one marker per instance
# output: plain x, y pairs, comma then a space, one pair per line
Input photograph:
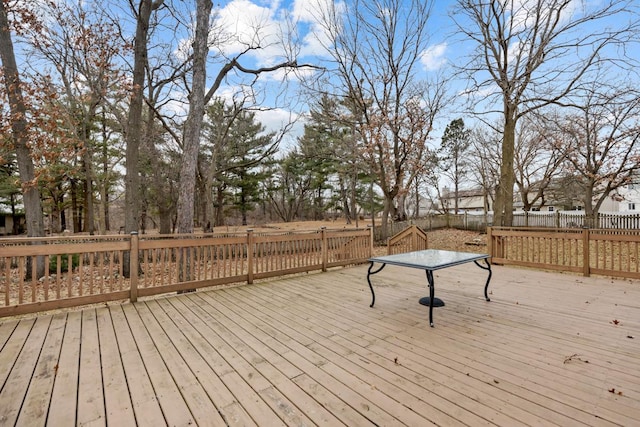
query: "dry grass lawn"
445, 239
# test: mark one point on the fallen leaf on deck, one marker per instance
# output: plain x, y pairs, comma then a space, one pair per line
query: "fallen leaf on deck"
575, 357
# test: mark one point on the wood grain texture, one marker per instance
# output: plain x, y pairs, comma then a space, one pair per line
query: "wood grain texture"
549, 349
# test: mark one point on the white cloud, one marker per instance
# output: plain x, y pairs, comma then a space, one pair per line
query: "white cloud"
275, 120
525, 13
433, 58
264, 30
246, 25
309, 13
305, 10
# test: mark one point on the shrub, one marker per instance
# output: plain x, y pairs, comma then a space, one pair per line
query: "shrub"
64, 262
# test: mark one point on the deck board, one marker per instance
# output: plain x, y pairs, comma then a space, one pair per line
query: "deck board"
64, 396
549, 349
144, 402
25, 352
36, 402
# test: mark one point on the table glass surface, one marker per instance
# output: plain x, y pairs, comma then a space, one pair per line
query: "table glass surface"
430, 259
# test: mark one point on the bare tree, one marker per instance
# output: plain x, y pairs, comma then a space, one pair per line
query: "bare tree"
538, 159
133, 130
530, 54
199, 97
78, 56
376, 48
193, 124
20, 129
603, 140
20, 134
484, 156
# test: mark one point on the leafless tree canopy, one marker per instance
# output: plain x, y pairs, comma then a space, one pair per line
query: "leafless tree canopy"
375, 47
530, 54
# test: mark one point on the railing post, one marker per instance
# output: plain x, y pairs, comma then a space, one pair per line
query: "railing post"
586, 271
489, 242
250, 256
370, 228
325, 249
133, 266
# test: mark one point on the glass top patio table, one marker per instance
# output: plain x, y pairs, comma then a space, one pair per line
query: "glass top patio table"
429, 260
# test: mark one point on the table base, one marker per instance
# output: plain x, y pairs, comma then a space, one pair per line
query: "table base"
437, 302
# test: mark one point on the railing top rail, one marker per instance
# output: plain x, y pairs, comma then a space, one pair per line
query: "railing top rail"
64, 239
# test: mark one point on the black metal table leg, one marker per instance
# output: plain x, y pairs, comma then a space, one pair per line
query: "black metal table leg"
431, 301
431, 295
488, 268
369, 273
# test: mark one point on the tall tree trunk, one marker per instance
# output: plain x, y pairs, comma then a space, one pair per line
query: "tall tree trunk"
133, 130
346, 203
192, 128
384, 221
104, 196
503, 205
589, 211
104, 186
55, 217
353, 211
76, 209
219, 206
88, 190
18, 109
193, 124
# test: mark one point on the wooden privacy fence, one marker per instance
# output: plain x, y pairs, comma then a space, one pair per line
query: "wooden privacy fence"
91, 269
588, 251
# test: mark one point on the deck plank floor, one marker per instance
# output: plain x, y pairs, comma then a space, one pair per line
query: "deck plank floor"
549, 349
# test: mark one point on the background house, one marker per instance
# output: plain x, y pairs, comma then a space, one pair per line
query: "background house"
12, 223
469, 200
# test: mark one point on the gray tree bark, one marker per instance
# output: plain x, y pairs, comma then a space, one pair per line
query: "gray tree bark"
134, 119
193, 124
19, 128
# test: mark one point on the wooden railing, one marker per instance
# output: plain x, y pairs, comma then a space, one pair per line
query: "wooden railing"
90, 269
412, 238
587, 251
478, 221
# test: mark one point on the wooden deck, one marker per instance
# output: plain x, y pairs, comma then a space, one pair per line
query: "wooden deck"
549, 349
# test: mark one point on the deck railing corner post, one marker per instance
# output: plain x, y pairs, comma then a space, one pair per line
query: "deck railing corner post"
489, 242
133, 266
250, 243
586, 270
325, 248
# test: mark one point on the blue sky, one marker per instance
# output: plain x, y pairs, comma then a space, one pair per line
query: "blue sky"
264, 21
445, 50
243, 17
